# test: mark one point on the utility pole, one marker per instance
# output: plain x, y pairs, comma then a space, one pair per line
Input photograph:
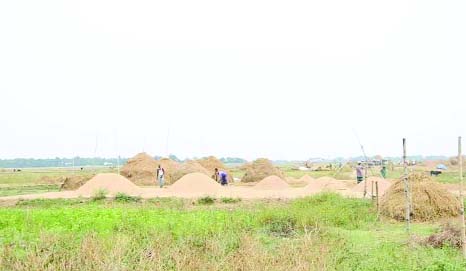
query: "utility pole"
407, 192
463, 226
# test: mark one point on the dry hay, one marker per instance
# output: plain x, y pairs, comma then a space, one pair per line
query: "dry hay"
271, 183
449, 235
430, 200
187, 168
141, 169
260, 169
72, 182
325, 184
383, 185
211, 163
110, 182
195, 183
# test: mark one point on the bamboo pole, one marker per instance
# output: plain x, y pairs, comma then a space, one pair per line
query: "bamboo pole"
463, 226
365, 178
407, 192
377, 196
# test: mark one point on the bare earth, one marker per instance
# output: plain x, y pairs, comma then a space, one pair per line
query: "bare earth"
196, 185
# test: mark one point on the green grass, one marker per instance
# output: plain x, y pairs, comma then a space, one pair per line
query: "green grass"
323, 232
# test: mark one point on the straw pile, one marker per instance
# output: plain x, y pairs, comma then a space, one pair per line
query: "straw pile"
211, 163
272, 183
110, 182
72, 182
430, 200
187, 168
260, 169
195, 183
141, 169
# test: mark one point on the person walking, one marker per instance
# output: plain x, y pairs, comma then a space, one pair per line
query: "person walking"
359, 173
222, 175
161, 176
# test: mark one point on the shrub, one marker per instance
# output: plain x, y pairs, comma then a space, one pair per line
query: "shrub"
206, 200
230, 200
99, 194
122, 197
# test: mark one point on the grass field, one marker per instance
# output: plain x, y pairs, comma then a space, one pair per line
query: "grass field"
324, 232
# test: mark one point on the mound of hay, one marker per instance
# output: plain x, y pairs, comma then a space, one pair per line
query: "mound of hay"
187, 168
271, 183
325, 184
141, 169
383, 184
211, 163
72, 182
195, 183
430, 200
260, 169
110, 182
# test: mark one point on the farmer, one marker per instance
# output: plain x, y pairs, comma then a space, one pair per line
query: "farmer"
222, 175
359, 173
383, 172
161, 176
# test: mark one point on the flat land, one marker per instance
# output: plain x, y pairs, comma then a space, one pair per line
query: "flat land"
321, 232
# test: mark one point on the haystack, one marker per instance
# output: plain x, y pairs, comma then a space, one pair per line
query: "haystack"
195, 183
271, 183
383, 185
260, 169
187, 168
430, 200
211, 163
72, 182
111, 183
141, 169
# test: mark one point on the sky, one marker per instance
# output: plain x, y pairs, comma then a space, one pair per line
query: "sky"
256, 78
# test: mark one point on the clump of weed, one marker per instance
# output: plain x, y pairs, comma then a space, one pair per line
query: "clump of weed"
122, 197
99, 194
230, 200
280, 225
206, 200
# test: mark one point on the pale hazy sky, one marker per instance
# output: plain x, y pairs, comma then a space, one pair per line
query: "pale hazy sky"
280, 79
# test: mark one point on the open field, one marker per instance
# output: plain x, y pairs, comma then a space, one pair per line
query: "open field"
324, 232
321, 232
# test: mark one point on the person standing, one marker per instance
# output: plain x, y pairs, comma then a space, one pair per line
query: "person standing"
383, 172
161, 176
222, 175
359, 173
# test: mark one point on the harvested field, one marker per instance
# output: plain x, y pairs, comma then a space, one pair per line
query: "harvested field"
430, 200
272, 183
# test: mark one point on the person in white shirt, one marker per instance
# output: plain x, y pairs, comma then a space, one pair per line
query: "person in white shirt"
161, 176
